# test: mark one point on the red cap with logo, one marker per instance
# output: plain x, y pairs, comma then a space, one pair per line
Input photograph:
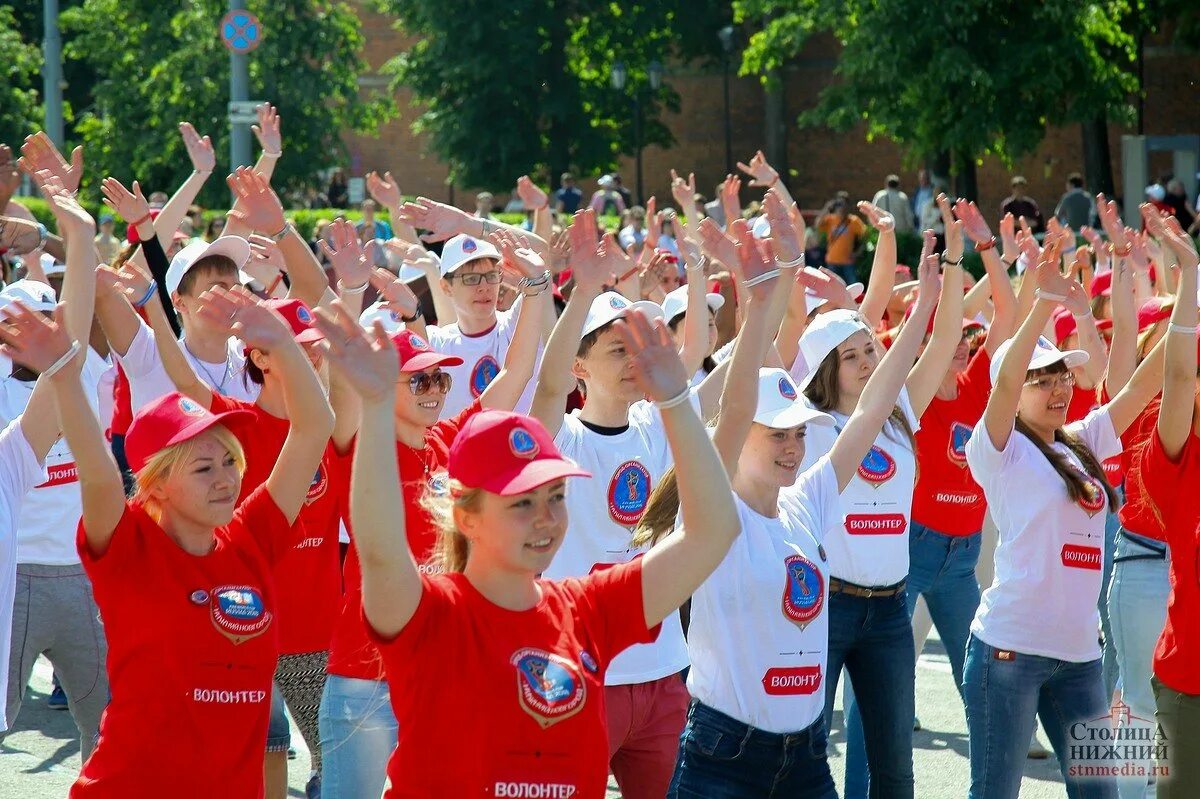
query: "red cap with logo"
1064, 325
506, 453
416, 355
299, 319
168, 421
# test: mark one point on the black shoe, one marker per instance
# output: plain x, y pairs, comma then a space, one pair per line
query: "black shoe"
313, 789
57, 699
291, 753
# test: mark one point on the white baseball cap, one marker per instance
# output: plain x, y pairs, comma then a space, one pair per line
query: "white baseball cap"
52, 267
610, 305
1044, 354
33, 294
676, 303
463, 249
379, 311
779, 403
235, 248
824, 335
761, 228
812, 302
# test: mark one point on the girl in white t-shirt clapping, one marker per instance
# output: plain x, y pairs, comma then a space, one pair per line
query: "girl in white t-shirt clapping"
1034, 647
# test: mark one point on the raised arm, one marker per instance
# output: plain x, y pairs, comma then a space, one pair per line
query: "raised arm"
1089, 337
270, 139
695, 323
731, 202
391, 585
520, 261
684, 193
536, 200
200, 151
1004, 299
386, 191
1175, 420
416, 255
763, 175
443, 221
883, 265
882, 389
926, 376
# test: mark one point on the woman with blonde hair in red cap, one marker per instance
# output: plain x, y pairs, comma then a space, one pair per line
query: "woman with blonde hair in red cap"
454, 644
181, 572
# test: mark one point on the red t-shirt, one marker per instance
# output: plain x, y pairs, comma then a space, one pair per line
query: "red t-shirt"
1137, 514
192, 646
946, 497
307, 581
1178, 649
351, 653
122, 405
1083, 401
452, 670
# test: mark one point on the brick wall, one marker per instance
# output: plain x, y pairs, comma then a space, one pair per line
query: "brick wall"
823, 161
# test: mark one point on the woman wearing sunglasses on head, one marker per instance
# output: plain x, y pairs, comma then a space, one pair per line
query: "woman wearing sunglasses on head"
358, 727
1034, 648
487, 658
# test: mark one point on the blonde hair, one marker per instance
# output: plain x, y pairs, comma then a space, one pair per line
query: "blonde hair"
1143, 340
451, 549
658, 520
166, 462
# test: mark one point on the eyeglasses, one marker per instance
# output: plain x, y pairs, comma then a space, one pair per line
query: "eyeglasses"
421, 382
1048, 382
475, 278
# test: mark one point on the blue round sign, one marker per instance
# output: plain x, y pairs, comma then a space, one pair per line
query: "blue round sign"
241, 31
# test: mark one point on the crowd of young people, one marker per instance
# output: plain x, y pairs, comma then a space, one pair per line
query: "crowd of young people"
673, 512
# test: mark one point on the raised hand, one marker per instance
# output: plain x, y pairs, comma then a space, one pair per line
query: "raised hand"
651, 275
731, 190
365, 358
879, 219
129, 279
1091, 236
954, 230
1051, 280
267, 130
827, 286
18, 236
762, 174
1110, 220
532, 196
395, 292
786, 244
1171, 234
928, 242
73, 221
237, 313
654, 361
973, 223
441, 220
684, 191
516, 256
619, 263
266, 260
1008, 237
10, 176
412, 254
929, 282
718, 246
350, 260
560, 250
39, 154
385, 190
258, 207
199, 148
35, 342
129, 205
653, 224
588, 267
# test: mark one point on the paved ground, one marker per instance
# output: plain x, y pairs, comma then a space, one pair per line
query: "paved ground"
40, 758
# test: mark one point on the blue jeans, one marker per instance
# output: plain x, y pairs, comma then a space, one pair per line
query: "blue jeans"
1005, 694
279, 732
1137, 606
1112, 524
722, 758
358, 734
941, 569
872, 638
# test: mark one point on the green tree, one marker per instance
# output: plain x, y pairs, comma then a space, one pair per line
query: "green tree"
19, 81
525, 87
966, 78
158, 64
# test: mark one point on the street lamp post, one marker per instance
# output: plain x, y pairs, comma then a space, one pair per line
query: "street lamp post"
620, 78
725, 35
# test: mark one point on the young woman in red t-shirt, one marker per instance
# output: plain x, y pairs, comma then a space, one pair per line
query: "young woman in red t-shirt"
182, 579
1169, 465
487, 658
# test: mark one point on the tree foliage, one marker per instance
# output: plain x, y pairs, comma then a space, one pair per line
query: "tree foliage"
20, 79
158, 64
525, 87
968, 77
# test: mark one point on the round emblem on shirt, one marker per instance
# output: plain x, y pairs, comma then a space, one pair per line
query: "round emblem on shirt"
589, 662
318, 486
199, 597
960, 434
549, 688
483, 374
617, 303
522, 443
439, 484
786, 389
303, 315
469, 245
238, 612
878, 467
628, 493
804, 593
1094, 497
190, 407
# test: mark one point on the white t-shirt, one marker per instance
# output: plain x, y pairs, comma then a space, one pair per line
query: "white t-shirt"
45, 529
603, 512
1049, 556
148, 379
19, 472
868, 546
759, 632
483, 358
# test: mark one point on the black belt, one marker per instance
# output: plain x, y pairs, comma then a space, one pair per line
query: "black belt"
837, 586
1154, 550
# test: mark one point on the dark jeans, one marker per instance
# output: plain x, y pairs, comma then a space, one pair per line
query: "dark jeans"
872, 637
1179, 717
722, 758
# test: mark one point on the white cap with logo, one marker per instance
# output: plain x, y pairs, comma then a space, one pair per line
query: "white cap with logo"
463, 249
1044, 354
824, 335
33, 294
610, 305
235, 248
379, 311
779, 403
676, 302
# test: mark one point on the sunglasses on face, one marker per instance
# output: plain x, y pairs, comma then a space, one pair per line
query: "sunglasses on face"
475, 278
1048, 382
421, 382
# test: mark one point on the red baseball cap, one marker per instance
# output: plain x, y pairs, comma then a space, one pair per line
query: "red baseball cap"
416, 355
167, 421
298, 317
1101, 284
1153, 311
506, 453
1064, 325
131, 232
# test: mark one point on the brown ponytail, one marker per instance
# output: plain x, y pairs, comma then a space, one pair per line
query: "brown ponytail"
451, 550
658, 520
1078, 489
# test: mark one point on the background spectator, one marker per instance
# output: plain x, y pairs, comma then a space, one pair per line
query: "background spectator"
921, 195
1020, 205
843, 232
107, 244
338, 193
607, 200
621, 190
895, 202
1076, 208
568, 198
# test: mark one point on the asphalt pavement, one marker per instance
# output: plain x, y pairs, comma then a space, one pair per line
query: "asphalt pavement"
40, 758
